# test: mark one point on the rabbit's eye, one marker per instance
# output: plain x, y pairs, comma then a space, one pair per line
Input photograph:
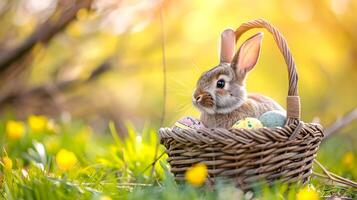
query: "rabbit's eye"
220, 83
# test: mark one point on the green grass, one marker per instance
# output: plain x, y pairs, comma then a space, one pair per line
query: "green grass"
121, 168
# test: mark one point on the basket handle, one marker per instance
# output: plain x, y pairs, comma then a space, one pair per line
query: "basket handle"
293, 99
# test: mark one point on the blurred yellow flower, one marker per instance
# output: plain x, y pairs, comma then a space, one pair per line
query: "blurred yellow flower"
7, 162
65, 159
196, 175
15, 129
74, 30
348, 159
105, 198
307, 193
37, 123
82, 14
52, 126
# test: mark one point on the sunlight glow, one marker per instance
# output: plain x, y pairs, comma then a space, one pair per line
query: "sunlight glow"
36, 6
139, 139
339, 6
128, 16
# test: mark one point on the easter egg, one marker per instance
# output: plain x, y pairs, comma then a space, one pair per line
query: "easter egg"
240, 124
253, 123
248, 123
187, 123
274, 118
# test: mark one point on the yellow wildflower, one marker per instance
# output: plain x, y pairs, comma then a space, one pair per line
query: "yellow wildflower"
65, 159
37, 123
196, 175
7, 162
105, 198
347, 159
15, 129
307, 193
82, 14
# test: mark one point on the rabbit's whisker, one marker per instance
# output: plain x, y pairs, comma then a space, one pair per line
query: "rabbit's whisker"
181, 83
183, 107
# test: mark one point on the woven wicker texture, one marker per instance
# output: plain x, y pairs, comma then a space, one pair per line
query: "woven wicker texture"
247, 156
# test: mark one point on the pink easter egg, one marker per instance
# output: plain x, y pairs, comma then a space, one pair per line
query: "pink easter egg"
187, 123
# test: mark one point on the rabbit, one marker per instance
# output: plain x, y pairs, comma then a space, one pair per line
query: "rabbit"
220, 92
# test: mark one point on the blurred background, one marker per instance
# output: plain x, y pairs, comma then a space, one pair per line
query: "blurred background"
101, 60
77, 76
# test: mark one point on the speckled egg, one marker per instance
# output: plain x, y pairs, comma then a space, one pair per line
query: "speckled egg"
253, 123
248, 123
187, 123
240, 124
274, 118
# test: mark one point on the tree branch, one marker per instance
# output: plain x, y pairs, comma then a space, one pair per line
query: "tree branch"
43, 33
340, 123
50, 88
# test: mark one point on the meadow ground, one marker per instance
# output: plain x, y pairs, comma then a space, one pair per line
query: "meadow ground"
46, 159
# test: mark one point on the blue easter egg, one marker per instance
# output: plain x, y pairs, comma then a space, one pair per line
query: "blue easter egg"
274, 118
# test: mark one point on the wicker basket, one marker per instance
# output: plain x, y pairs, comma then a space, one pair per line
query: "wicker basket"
247, 156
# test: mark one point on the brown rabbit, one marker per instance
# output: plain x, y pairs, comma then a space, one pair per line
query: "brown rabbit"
220, 93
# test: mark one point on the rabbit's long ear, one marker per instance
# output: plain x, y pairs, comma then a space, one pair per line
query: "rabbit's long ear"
247, 56
227, 46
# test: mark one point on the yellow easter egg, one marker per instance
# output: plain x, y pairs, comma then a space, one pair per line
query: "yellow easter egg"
240, 124
253, 123
248, 123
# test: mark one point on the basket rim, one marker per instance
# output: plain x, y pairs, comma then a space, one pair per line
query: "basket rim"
243, 136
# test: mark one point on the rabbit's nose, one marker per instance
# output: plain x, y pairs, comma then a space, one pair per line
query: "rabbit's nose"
199, 98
